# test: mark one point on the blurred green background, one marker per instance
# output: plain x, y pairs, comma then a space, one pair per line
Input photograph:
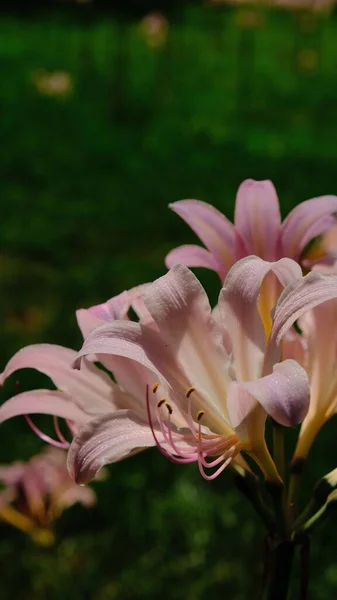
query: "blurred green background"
105, 119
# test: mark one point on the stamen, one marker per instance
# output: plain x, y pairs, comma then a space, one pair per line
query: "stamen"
202, 446
155, 387
169, 408
213, 463
217, 472
44, 437
189, 391
58, 431
189, 416
158, 444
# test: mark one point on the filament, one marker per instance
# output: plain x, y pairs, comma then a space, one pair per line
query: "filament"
224, 448
46, 438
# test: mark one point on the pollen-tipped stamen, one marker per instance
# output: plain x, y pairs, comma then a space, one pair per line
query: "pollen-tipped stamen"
228, 447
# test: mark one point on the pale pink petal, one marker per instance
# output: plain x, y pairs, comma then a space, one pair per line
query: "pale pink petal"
284, 394
87, 321
257, 218
213, 228
33, 487
226, 340
134, 342
71, 494
91, 387
295, 346
296, 299
306, 221
180, 307
246, 415
329, 242
191, 256
133, 378
11, 474
106, 440
44, 402
116, 308
318, 326
238, 305
137, 303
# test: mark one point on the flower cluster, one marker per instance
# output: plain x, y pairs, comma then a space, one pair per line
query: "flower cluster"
199, 382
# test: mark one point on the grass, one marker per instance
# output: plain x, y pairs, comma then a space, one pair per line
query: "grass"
85, 183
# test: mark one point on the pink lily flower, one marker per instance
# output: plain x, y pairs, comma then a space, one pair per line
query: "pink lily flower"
257, 230
37, 492
216, 380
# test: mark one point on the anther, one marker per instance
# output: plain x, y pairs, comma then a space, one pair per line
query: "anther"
200, 414
189, 391
169, 408
155, 387
161, 402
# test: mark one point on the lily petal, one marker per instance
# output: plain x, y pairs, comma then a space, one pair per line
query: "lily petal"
92, 388
138, 343
213, 228
43, 402
284, 394
191, 256
180, 307
239, 309
306, 221
107, 439
257, 218
296, 299
116, 308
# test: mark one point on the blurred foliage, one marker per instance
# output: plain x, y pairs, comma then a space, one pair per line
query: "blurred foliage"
100, 130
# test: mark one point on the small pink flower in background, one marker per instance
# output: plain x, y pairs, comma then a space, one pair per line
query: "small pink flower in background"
215, 379
154, 28
37, 492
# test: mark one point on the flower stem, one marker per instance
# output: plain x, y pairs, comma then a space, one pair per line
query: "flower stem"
249, 486
281, 560
297, 467
278, 493
278, 447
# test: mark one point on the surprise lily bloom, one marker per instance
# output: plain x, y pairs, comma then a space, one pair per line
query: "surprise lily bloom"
257, 230
217, 377
37, 492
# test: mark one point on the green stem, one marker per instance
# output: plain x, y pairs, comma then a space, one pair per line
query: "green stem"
281, 560
297, 467
277, 492
278, 447
250, 487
